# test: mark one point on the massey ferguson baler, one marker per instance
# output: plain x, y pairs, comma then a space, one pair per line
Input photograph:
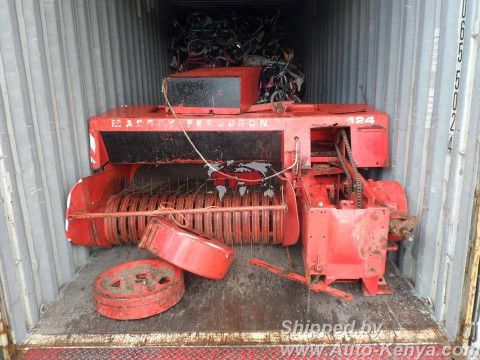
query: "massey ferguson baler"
212, 162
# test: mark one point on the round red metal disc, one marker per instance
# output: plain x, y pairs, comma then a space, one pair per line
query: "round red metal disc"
191, 252
138, 289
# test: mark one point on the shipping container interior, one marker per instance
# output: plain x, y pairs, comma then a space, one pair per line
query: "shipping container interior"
393, 55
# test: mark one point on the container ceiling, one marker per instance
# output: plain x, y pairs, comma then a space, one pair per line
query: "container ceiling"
243, 4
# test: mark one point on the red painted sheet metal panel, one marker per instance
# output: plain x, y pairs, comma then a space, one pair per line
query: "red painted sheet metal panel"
204, 90
89, 194
293, 120
205, 257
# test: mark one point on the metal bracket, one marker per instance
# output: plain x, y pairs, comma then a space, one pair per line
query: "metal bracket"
317, 287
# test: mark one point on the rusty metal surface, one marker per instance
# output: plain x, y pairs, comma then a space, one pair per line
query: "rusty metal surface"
202, 222
201, 205
138, 289
234, 311
287, 274
104, 211
207, 353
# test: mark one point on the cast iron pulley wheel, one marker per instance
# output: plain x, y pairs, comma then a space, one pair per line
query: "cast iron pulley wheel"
138, 289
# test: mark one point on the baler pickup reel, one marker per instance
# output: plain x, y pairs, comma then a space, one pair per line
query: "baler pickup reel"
117, 215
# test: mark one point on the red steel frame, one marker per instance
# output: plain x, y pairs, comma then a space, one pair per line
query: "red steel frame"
368, 127
340, 241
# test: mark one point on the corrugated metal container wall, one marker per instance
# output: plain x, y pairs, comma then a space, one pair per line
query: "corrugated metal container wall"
419, 61
61, 62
